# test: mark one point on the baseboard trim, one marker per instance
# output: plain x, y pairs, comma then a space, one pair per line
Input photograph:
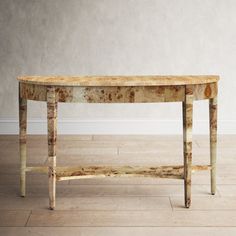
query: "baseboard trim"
145, 127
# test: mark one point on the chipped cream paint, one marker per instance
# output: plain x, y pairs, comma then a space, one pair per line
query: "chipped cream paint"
118, 90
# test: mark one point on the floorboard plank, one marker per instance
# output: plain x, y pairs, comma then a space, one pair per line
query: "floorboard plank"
118, 231
14, 217
97, 203
206, 203
108, 190
133, 218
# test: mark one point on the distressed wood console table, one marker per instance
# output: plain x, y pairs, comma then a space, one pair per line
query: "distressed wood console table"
118, 89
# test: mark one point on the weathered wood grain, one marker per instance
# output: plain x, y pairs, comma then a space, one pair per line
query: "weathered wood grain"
33, 92
187, 138
205, 91
119, 80
175, 172
213, 141
22, 140
52, 136
82, 172
118, 94
118, 89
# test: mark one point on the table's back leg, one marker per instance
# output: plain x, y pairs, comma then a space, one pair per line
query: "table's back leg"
52, 136
187, 143
22, 141
213, 141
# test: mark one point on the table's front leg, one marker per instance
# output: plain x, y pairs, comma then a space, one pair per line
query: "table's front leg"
52, 136
213, 141
22, 141
187, 143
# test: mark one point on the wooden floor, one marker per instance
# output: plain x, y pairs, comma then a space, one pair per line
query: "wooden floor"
118, 206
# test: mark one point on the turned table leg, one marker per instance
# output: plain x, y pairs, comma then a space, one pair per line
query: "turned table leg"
52, 136
187, 143
213, 141
22, 141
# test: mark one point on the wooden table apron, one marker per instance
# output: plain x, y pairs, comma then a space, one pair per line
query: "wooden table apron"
53, 94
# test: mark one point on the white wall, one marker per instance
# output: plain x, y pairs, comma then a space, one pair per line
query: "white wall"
117, 37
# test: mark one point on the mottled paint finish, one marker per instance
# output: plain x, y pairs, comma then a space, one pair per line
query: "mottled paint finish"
83, 172
213, 141
187, 139
52, 136
102, 81
33, 92
113, 93
174, 172
63, 171
65, 94
119, 94
205, 91
22, 140
132, 94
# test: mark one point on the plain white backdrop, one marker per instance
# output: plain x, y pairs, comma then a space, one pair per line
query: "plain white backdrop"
117, 37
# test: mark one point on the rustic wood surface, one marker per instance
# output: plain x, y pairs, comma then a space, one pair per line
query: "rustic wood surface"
174, 172
119, 80
187, 138
118, 94
136, 89
52, 137
213, 141
115, 201
82, 172
22, 140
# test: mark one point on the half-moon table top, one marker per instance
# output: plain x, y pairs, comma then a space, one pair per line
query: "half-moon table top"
151, 80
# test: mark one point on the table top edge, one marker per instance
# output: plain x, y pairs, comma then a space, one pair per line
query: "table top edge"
139, 80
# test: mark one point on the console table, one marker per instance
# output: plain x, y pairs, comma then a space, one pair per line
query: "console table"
118, 89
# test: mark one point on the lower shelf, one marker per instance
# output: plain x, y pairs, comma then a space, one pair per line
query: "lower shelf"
80, 172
